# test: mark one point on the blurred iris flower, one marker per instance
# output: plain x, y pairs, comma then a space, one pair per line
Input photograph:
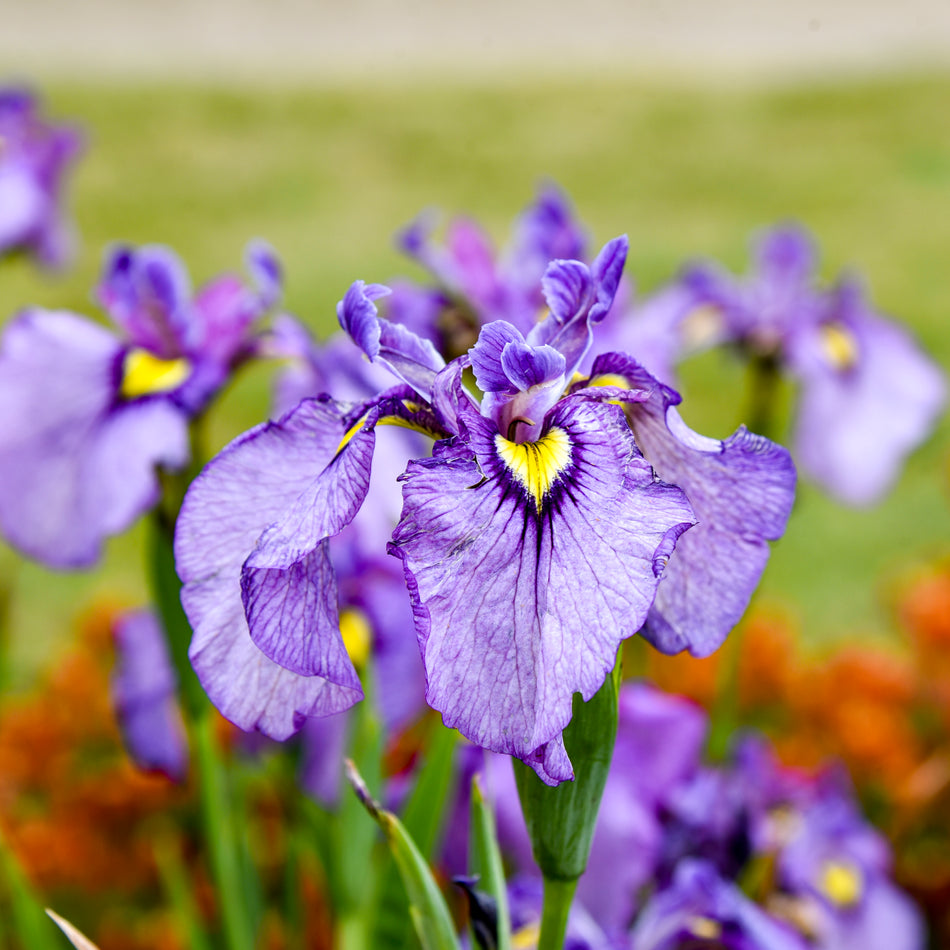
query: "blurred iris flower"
868, 395
34, 158
90, 414
534, 539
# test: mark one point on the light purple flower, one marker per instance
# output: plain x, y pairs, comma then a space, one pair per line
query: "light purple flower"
868, 394
533, 540
34, 158
700, 909
144, 695
476, 283
90, 415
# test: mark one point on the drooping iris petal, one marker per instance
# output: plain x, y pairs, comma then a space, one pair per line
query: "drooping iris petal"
75, 465
144, 693
741, 489
249, 486
528, 564
411, 358
288, 584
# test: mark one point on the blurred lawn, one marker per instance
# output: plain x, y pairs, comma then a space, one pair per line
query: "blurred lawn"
328, 175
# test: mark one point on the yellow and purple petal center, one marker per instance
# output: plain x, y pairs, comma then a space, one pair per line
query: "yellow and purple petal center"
536, 466
144, 374
839, 346
841, 882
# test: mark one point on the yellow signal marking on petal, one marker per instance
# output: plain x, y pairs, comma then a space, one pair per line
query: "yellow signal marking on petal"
838, 345
610, 379
536, 465
841, 882
357, 635
527, 937
143, 373
705, 928
389, 421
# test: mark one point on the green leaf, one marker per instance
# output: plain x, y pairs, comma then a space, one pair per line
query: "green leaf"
427, 907
488, 864
30, 925
422, 817
178, 888
166, 593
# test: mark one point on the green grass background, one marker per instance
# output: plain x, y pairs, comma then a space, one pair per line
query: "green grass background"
327, 175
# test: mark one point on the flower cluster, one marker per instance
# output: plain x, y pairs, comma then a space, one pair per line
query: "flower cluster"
749, 855
550, 523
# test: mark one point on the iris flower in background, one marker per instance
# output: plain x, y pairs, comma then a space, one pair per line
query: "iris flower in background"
34, 158
867, 396
533, 540
90, 414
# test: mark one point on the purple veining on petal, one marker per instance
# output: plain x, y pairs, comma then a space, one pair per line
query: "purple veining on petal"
518, 608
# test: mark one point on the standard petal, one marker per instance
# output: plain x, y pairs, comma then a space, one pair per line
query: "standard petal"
526, 578
411, 358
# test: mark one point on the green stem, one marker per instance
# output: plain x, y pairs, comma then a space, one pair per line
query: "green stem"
764, 380
219, 826
558, 896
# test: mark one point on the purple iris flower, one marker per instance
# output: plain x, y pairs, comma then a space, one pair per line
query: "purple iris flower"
701, 910
89, 415
144, 694
868, 394
835, 869
533, 540
34, 158
478, 284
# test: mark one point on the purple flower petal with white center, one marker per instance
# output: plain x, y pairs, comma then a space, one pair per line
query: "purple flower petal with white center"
528, 564
76, 466
411, 358
144, 694
247, 488
742, 491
